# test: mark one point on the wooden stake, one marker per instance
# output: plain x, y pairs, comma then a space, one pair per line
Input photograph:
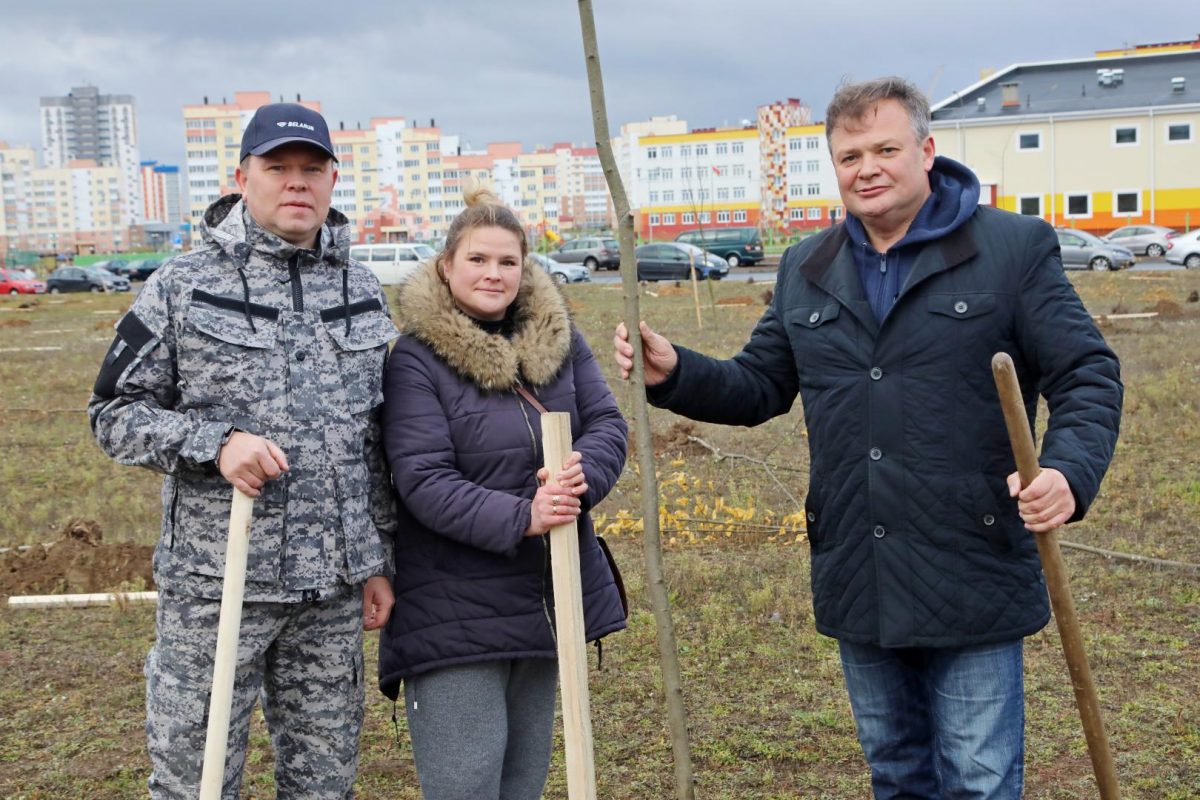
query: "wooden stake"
225, 659
81, 600
1017, 422
568, 617
695, 290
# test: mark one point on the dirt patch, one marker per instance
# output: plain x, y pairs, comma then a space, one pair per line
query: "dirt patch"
673, 440
737, 300
14, 323
78, 561
1167, 308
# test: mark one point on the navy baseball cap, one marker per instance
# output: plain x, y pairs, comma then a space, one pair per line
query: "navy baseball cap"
281, 123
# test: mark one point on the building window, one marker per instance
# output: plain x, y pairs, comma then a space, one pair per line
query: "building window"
814, 189
651, 152
737, 147
796, 214
795, 190
814, 213
1079, 205
686, 195
668, 219
1029, 140
654, 220
721, 148
795, 144
1030, 205
701, 150
686, 173
722, 216
813, 166
685, 150
739, 193
654, 197
795, 168
812, 143
739, 170
669, 196
723, 193
1127, 203
668, 174
1179, 132
666, 151
739, 216
705, 218
1124, 135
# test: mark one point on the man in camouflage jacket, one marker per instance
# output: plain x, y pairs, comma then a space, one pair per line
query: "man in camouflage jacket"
256, 362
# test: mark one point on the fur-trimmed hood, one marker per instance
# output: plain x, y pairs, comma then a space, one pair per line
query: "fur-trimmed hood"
540, 344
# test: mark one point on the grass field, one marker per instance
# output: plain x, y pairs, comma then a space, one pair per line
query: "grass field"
768, 712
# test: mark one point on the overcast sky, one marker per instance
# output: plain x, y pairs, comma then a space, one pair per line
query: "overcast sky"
493, 70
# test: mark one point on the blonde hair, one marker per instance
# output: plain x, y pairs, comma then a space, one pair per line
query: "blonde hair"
484, 210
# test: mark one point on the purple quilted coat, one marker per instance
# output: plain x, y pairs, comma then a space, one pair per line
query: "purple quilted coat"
464, 448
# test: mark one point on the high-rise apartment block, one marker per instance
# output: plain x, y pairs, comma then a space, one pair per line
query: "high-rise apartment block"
102, 128
162, 193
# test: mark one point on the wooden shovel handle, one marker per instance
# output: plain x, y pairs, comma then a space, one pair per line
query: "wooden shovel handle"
1021, 438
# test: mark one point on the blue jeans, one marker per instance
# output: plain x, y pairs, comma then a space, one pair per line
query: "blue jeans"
940, 723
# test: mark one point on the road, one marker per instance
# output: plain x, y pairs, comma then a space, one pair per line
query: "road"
766, 271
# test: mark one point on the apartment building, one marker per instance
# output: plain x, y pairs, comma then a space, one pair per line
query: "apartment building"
85, 125
16, 167
813, 200
162, 193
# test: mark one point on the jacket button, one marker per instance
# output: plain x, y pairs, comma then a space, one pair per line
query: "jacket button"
961, 306
814, 316
301, 356
879, 532
876, 373
812, 517
876, 454
988, 519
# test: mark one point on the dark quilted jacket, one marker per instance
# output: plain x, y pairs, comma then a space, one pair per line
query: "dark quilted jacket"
914, 539
464, 449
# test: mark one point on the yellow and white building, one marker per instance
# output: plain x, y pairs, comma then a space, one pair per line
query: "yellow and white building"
1093, 143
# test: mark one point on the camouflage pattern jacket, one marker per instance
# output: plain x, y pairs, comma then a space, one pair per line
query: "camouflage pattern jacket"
251, 333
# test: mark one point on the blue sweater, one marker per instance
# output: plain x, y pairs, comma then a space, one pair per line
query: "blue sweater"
955, 195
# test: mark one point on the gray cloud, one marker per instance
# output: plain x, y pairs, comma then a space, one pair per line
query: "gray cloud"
493, 71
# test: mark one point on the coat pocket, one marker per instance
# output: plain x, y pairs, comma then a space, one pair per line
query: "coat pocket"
361, 351
817, 341
222, 359
364, 551
201, 531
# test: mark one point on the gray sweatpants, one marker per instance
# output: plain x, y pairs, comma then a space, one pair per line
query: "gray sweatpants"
483, 731
307, 660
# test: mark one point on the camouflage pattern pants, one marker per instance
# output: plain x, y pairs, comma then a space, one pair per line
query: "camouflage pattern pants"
307, 661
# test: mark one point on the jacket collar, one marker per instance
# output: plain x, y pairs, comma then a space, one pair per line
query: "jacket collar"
228, 225
831, 267
539, 346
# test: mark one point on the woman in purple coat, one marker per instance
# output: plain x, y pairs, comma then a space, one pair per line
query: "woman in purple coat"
472, 633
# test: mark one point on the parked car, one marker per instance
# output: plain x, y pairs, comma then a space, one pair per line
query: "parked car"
85, 279
1185, 249
735, 245
562, 273
1082, 250
141, 269
392, 263
594, 252
118, 267
1150, 240
20, 281
672, 261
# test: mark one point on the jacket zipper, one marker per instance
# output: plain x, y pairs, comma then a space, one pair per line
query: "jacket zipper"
294, 278
881, 296
545, 542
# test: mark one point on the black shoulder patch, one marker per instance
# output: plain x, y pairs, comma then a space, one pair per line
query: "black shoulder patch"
134, 333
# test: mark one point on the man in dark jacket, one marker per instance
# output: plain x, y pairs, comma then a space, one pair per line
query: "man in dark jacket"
885, 326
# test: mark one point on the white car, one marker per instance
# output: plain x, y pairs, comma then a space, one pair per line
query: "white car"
392, 263
1185, 249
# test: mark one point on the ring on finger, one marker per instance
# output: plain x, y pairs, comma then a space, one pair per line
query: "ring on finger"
554, 501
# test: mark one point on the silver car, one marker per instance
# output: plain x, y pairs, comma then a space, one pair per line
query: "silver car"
1082, 250
1185, 249
562, 273
1149, 239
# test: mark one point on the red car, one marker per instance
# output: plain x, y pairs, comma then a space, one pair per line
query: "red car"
20, 281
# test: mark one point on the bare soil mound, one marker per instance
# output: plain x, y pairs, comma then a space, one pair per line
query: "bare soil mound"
78, 561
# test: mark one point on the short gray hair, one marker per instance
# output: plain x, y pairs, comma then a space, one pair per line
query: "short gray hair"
852, 101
